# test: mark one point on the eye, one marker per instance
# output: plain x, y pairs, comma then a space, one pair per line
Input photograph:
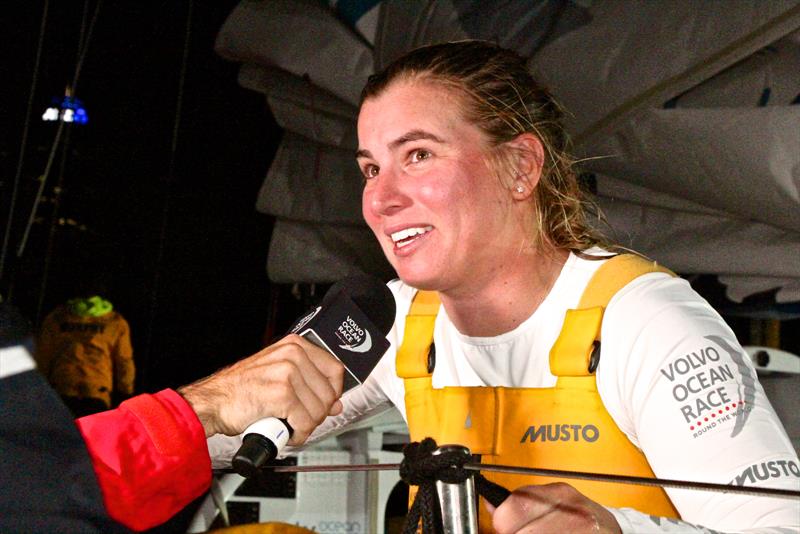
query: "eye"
370, 171
419, 155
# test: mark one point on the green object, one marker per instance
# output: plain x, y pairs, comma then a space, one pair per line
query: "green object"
92, 307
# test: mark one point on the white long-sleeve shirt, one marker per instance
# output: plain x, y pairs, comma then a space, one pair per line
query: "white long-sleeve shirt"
672, 376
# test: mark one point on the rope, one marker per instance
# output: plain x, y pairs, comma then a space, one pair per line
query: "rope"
421, 467
491, 491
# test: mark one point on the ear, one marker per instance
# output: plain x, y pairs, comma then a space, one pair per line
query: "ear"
528, 156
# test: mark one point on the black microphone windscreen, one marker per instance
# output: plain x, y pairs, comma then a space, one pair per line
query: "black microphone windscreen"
371, 295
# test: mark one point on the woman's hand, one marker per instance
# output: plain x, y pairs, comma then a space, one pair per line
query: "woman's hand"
292, 379
552, 508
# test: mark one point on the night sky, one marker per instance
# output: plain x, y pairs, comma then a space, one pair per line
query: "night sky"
176, 233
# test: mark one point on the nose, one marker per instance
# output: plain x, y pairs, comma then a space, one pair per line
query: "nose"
384, 195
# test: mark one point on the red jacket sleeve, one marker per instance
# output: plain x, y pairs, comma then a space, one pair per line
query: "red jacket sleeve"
150, 457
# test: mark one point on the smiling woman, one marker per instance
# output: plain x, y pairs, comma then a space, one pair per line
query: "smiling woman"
472, 194
538, 325
426, 172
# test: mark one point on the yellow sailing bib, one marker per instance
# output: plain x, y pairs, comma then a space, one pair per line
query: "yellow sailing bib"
564, 427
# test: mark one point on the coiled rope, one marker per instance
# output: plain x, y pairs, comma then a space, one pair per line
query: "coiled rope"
421, 467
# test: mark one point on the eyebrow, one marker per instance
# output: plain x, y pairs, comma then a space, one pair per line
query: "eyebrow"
413, 135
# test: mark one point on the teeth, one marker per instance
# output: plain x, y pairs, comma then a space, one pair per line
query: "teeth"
407, 233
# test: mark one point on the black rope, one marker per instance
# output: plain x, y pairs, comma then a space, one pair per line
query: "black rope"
420, 467
491, 491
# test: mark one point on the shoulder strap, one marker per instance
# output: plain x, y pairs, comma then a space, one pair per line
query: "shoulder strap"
579, 341
412, 356
615, 274
579, 337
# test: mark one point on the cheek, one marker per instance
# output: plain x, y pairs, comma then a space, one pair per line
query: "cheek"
438, 193
366, 211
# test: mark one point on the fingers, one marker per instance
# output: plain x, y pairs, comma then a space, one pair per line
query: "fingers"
329, 366
322, 373
553, 508
310, 382
519, 509
337, 408
292, 379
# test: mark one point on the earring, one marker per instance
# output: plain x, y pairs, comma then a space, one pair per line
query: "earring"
520, 189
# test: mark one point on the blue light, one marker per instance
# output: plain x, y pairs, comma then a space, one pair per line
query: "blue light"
67, 109
80, 116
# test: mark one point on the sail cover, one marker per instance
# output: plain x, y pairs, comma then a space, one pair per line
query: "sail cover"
686, 117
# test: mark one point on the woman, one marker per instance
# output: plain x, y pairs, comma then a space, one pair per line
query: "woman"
471, 194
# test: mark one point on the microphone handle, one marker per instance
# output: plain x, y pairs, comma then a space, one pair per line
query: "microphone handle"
262, 442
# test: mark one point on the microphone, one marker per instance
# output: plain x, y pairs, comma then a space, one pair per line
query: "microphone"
352, 322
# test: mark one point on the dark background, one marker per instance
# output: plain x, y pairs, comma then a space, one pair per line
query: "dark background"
175, 231
158, 190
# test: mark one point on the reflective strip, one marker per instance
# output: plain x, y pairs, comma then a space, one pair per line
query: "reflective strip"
15, 360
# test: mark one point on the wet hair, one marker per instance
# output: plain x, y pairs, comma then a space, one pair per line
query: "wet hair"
501, 98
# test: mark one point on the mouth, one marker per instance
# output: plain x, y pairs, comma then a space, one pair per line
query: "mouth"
406, 236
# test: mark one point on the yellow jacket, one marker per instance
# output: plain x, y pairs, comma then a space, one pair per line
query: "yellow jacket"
84, 350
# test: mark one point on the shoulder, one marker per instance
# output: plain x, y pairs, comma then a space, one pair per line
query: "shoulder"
118, 318
644, 296
656, 314
649, 325
668, 300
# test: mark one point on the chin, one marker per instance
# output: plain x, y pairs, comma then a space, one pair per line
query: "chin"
420, 281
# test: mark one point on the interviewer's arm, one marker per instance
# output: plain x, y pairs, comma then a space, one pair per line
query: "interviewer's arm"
149, 456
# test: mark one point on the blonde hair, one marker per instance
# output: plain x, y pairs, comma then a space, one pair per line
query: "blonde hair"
502, 99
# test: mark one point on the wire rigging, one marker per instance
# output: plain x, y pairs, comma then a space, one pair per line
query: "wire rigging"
51, 237
56, 141
165, 211
24, 140
516, 470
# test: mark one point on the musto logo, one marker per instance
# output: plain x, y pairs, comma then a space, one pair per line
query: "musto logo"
561, 432
355, 338
767, 470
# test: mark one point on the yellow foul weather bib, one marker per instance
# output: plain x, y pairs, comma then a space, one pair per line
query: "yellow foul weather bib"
564, 427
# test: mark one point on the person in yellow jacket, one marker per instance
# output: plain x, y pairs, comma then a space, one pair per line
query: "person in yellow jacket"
84, 350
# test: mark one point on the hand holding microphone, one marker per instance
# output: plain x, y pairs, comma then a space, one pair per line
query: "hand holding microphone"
299, 379
292, 378
351, 325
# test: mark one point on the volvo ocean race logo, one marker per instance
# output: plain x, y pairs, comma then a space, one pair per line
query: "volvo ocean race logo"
355, 338
713, 387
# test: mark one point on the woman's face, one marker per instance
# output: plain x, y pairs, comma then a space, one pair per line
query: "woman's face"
438, 210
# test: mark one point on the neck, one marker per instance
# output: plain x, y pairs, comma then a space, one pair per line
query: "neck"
503, 299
